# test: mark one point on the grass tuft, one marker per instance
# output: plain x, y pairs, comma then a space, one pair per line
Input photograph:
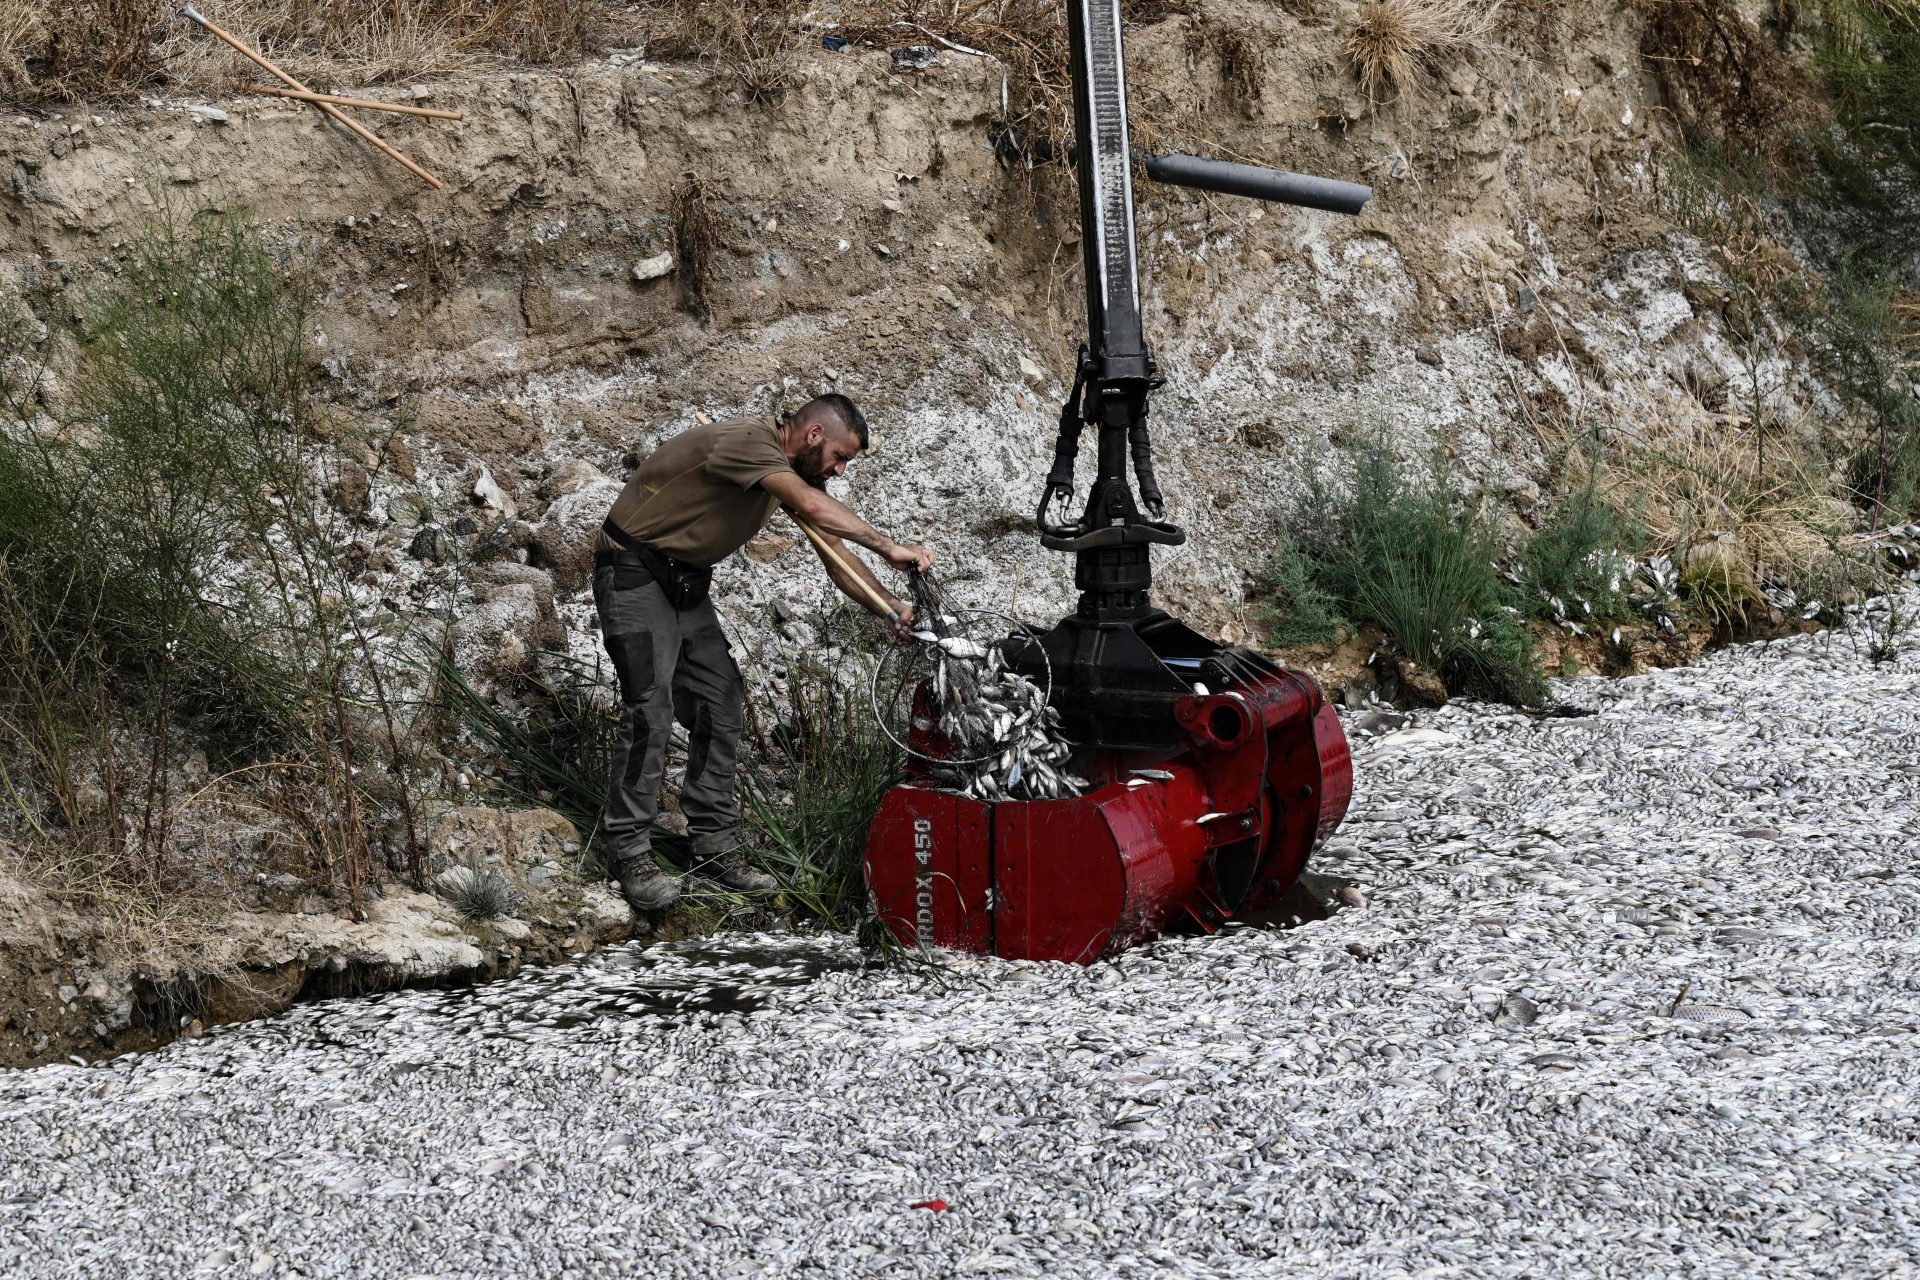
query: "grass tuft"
1392, 42
1716, 579
476, 891
811, 799
750, 40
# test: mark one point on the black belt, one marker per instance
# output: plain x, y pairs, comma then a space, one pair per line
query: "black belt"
685, 585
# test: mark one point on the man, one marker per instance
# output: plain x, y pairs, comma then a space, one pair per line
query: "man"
693, 503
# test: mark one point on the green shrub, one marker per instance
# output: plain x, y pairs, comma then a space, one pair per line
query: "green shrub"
178, 451
812, 797
1414, 558
1289, 605
1869, 344
1582, 560
162, 513
1869, 54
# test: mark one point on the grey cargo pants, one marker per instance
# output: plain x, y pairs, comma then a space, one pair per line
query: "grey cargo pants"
672, 664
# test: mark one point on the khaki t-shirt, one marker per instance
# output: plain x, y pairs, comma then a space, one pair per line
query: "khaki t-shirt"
698, 498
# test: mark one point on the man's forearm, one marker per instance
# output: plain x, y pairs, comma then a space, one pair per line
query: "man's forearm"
836, 519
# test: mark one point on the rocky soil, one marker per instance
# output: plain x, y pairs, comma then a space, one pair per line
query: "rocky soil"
1637, 991
77, 982
500, 350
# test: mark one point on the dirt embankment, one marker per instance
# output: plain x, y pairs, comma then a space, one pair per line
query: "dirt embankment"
628, 244
1507, 280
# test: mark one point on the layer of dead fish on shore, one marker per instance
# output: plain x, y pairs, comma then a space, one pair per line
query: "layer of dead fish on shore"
1635, 991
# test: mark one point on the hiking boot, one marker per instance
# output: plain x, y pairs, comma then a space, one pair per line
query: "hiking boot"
731, 870
647, 886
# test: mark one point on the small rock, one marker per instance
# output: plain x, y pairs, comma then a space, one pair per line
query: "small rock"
215, 114
1428, 354
399, 458
569, 477
769, 547
430, 544
564, 539
409, 508
1421, 686
500, 635
488, 493
352, 489
915, 57
653, 268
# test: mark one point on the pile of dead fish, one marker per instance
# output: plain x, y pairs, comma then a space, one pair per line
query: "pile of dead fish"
1006, 740
1635, 993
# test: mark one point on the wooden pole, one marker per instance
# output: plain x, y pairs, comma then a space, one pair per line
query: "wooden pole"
874, 599
306, 96
241, 47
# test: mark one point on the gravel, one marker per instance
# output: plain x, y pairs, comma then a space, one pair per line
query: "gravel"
1636, 993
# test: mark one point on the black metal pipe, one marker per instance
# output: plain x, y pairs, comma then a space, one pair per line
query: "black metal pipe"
1277, 185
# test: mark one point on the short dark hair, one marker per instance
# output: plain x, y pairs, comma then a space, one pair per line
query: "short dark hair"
837, 408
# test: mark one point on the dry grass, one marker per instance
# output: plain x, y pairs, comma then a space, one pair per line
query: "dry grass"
750, 40
101, 48
1708, 480
1028, 37
1393, 42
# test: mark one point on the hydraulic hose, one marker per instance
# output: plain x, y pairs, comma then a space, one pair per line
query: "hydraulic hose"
1142, 446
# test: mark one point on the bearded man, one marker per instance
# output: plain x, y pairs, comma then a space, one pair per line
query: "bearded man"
695, 501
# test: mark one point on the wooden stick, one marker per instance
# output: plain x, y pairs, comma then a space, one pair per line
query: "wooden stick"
874, 600
241, 47
303, 95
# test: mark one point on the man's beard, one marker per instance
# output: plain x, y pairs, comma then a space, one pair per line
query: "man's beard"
811, 465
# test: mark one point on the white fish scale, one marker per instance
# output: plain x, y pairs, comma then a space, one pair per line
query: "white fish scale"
1340, 1099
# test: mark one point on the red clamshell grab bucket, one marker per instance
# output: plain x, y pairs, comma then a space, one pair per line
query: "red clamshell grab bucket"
1225, 826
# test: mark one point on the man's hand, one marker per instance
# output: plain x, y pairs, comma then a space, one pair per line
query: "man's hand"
904, 555
902, 621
